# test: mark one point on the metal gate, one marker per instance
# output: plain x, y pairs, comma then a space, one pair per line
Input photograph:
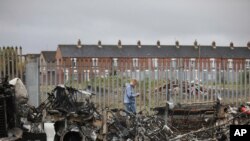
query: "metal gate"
11, 62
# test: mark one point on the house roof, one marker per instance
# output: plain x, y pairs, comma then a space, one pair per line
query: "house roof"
49, 56
33, 55
153, 51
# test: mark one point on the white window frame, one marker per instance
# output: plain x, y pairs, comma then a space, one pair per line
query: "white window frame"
94, 62
74, 61
155, 62
66, 74
86, 74
115, 62
212, 62
96, 72
173, 62
75, 75
106, 73
247, 63
192, 62
135, 62
57, 62
230, 63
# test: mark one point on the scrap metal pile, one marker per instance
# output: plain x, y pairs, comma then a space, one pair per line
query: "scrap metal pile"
212, 123
123, 125
77, 120
7, 97
187, 88
13, 97
81, 121
73, 119
76, 117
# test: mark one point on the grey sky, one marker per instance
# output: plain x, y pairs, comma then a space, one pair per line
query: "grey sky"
43, 24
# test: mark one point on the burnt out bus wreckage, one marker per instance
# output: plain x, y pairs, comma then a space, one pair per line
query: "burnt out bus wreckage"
77, 118
74, 119
20, 121
13, 112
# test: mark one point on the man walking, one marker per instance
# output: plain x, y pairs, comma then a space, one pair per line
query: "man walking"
129, 96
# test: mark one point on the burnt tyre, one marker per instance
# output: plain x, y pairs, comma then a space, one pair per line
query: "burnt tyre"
139, 138
72, 136
56, 138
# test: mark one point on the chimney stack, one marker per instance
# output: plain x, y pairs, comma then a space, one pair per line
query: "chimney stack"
158, 44
99, 44
119, 44
79, 45
248, 45
231, 45
139, 44
213, 45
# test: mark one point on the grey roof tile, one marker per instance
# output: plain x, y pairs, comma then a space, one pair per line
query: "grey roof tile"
152, 51
49, 56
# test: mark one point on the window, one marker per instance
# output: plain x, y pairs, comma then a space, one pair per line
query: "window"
135, 62
66, 75
73, 62
155, 62
106, 73
173, 61
75, 75
96, 72
94, 62
192, 62
247, 63
230, 63
58, 62
212, 62
115, 63
86, 75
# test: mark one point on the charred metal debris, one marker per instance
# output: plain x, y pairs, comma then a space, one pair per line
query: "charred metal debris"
76, 117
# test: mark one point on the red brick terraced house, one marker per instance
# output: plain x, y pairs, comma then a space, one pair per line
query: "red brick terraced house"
80, 60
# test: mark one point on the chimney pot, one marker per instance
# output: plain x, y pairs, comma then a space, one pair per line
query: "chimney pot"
99, 44
195, 44
214, 45
177, 44
139, 44
158, 44
119, 44
79, 45
231, 45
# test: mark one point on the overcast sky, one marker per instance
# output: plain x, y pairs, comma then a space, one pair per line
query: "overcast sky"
38, 25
